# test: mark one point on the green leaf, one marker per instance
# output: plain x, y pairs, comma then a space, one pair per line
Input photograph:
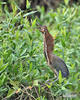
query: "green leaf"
34, 23
21, 68
17, 34
49, 86
3, 67
60, 77
35, 83
66, 2
28, 39
28, 4
8, 14
63, 42
30, 13
1, 61
10, 93
30, 66
63, 88
23, 52
2, 78
1, 3
14, 83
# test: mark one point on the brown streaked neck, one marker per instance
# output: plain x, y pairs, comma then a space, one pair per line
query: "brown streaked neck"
49, 42
48, 46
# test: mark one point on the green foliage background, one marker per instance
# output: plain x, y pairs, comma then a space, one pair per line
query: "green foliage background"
23, 69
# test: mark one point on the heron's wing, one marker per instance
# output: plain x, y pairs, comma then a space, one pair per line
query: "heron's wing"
59, 64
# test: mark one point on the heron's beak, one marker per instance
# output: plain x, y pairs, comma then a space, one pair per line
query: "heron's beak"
38, 26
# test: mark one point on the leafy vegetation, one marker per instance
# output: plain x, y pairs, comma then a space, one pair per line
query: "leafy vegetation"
23, 69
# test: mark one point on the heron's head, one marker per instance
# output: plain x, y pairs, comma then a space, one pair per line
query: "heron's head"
43, 29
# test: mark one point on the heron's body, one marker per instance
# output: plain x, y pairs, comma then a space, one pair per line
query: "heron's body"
54, 62
59, 65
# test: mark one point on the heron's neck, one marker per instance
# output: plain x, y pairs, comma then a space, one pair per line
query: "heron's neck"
48, 45
48, 42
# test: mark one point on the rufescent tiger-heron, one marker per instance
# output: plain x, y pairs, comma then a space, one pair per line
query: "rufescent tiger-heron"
53, 61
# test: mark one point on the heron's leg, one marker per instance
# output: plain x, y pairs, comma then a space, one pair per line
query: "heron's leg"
55, 74
51, 79
55, 80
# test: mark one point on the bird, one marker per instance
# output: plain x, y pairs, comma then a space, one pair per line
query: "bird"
53, 61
